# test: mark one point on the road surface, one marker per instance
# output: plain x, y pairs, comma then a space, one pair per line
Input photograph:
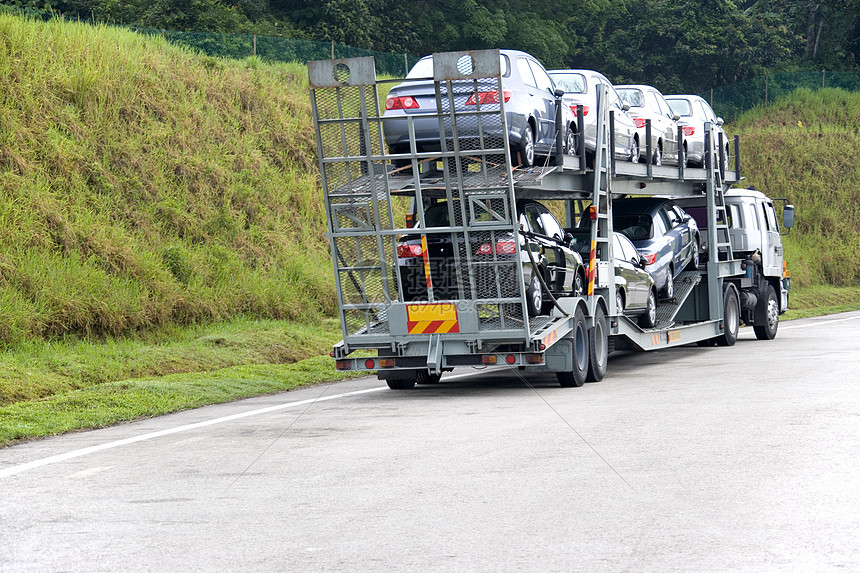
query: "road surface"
687, 459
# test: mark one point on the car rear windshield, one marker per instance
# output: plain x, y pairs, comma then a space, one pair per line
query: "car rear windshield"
424, 68
632, 96
681, 106
634, 227
570, 83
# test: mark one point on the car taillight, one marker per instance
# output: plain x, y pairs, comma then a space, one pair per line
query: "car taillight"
408, 251
584, 109
402, 102
485, 98
504, 247
410, 220
688, 131
640, 123
649, 259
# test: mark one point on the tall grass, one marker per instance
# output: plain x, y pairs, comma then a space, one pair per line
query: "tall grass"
804, 147
145, 185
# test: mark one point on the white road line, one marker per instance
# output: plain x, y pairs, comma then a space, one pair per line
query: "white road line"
14, 470
817, 323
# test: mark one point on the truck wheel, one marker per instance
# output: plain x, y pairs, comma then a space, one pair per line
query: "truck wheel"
767, 316
580, 354
598, 347
731, 318
649, 318
425, 377
401, 384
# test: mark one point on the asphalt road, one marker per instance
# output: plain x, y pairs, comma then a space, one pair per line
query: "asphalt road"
688, 459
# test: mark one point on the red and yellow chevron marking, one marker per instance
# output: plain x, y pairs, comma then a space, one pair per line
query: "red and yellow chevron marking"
550, 338
592, 261
426, 257
431, 318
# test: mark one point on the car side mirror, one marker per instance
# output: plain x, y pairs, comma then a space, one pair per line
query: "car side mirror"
720, 122
625, 106
559, 92
675, 117
640, 262
568, 238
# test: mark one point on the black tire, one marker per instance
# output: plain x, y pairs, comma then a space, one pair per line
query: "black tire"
526, 149
658, 156
401, 384
570, 147
669, 289
619, 302
731, 318
648, 319
534, 296
682, 155
767, 316
580, 354
578, 284
694, 262
425, 377
598, 347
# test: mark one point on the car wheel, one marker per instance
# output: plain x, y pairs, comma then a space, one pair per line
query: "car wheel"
767, 316
570, 144
576, 377
619, 302
598, 347
578, 284
526, 149
669, 289
682, 155
534, 296
634, 151
649, 318
726, 161
694, 261
658, 155
731, 318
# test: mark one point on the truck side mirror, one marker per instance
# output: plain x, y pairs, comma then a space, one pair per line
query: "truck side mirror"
788, 216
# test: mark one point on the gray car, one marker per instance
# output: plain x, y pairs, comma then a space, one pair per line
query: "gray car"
646, 103
528, 97
694, 112
580, 88
663, 233
635, 289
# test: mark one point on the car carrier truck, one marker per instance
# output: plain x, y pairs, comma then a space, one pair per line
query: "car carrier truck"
481, 318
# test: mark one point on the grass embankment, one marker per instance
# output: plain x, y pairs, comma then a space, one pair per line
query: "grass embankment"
162, 235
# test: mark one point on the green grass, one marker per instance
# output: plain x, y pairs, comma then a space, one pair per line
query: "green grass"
162, 235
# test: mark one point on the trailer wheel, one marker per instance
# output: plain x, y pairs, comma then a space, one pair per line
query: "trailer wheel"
400, 384
731, 318
767, 316
580, 354
425, 377
598, 347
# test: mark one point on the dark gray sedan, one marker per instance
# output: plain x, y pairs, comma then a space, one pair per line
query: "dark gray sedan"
635, 289
528, 98
663, 233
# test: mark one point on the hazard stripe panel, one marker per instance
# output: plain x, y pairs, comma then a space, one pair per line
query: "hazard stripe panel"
431, 318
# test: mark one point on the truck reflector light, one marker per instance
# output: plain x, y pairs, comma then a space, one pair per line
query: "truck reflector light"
785, 272
342, 364
534, 358
640, 123
404, 102
410, 221
511, 359
386, 363
408, 251
488, 359
485, 98
369, 364
688, 131
650, 258
573, 109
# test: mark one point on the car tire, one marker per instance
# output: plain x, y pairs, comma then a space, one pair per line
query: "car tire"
731, 318
578, 284
694, 260
767, 316
658, 155
524, 153
598, 347
648, 319
570, 147
576, 377
669, 289
634, 151
682, 155
534, 296
619, 302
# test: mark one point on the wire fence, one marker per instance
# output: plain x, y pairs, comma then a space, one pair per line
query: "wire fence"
732, 100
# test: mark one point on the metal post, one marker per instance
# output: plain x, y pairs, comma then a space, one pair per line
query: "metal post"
255, 44
611, 151
580, 121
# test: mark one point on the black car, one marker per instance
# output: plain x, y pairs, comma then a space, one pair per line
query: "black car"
561, 267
